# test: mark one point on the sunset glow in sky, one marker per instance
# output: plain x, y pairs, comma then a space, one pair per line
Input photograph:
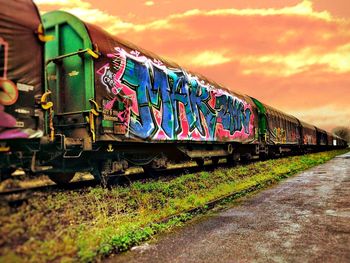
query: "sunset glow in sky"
291, 54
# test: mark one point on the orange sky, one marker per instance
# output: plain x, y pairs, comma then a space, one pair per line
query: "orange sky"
293, 55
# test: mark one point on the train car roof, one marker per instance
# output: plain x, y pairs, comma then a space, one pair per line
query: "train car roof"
289, 117
272, 110
307, 125
320, 130
100, 37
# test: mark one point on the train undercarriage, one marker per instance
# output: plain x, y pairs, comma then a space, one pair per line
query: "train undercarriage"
63, 157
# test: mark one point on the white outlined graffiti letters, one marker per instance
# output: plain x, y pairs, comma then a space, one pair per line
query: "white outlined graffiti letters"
167, 100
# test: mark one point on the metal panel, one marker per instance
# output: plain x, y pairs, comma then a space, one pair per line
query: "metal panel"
321, 136
329, 139
282, 128
308, 134
70, 79
262, 119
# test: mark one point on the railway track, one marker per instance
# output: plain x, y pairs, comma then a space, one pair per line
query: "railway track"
16, 196
20, 194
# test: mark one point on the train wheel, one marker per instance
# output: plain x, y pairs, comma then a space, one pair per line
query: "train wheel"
263, 156
61, 178
149, 171
230, 160
200, 162
6, 173
215, 161
245, 158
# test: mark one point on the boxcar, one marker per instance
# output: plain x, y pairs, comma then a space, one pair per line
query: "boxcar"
280, 131
321, 138
329, 139
308, 135
21, 83
114, 98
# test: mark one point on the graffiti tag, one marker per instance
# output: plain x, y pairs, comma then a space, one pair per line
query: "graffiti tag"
171, 103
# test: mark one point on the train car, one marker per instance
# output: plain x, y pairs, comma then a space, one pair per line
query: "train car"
329, 140
339, 142
279, 131
321, 138
308, 135
117, 105
21, 84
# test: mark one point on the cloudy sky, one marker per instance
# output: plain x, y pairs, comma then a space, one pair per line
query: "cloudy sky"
290, 54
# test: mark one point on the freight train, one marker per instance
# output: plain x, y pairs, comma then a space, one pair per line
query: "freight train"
75, 98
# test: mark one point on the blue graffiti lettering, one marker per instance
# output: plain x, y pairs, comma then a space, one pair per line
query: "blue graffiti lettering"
180, 94
199, 97
232, 114
162, 89
143, 125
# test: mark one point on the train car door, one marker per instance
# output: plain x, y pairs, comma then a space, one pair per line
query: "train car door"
69, 69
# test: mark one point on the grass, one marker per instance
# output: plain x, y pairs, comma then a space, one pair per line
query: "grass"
86, 225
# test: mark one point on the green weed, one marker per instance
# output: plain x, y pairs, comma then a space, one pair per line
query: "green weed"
87, 225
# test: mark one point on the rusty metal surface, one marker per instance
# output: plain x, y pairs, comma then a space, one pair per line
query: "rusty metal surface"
321, 136
304, 219
308, 133
282, 128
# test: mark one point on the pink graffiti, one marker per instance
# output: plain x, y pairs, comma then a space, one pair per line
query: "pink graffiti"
7, 124
109, 105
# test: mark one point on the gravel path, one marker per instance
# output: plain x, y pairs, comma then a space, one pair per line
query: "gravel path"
303, 219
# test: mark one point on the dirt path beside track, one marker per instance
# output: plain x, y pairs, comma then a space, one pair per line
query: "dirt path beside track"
303, 219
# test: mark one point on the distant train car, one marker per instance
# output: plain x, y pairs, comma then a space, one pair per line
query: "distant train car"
339, 142
329, 139
321, 138
21, 83
283, 128
308, 135
279, 130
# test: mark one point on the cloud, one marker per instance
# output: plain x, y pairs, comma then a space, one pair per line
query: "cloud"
302, 9
115, 26
85, 11
64, 3
325, 116
336, 61
94, 16
149, 3
208, 58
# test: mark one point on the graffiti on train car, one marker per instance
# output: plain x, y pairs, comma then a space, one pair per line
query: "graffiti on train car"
166, 103
309, 139
280, 135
